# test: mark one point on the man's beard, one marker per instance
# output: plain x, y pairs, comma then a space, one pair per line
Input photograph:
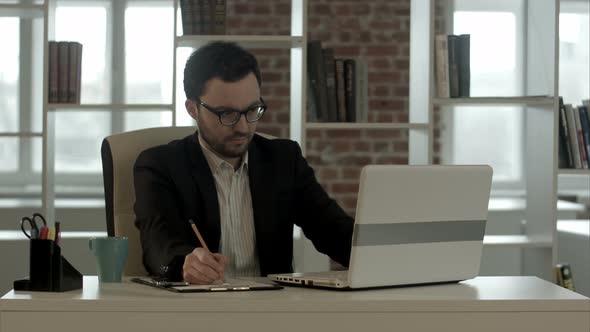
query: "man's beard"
223, 149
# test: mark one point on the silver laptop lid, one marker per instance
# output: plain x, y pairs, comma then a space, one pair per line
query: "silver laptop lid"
419, 224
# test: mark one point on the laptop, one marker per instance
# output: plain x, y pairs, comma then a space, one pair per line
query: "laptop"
414, 225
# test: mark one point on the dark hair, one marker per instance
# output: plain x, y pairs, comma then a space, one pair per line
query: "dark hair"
223, 60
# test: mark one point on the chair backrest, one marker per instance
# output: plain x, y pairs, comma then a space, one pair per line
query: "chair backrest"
119, 153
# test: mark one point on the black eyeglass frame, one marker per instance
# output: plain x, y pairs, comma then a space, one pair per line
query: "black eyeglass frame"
220, 111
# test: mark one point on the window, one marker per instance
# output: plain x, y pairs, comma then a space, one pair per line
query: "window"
490, 135
9, 79
134, 68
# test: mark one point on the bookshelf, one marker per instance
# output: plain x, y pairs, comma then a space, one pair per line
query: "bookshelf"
540, 104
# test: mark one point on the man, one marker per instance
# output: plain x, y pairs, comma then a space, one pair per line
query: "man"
244, 192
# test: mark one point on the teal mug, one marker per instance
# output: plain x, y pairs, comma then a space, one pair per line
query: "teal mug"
111, 256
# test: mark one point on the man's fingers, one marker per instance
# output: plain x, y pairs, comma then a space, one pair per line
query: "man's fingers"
207, 271
212, 262
194, 276
221, 259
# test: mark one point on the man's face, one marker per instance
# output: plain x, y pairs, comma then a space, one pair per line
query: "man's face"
227, 141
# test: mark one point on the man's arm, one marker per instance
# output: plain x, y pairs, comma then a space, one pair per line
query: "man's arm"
164, 237
323, 221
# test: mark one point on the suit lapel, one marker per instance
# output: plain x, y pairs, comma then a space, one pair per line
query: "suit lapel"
257, 167
201, 174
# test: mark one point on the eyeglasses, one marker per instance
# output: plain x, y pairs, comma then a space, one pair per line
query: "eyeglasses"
229, 116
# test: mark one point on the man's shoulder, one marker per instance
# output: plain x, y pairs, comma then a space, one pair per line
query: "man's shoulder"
164, 153
267, 142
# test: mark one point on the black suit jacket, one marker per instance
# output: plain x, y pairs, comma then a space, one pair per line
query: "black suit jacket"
173, 183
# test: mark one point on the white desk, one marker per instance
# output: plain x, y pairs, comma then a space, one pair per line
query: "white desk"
481, 304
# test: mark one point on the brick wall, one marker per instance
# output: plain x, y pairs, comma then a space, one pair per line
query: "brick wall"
376, 31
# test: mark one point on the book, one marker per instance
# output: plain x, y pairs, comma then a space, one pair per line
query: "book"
186, 17
464, 64
564, 276
219, 17
63, 68
453, 48
573, 134
362, 90
350, 87
74, 72
565, 152
581, 145
585, 124
53, 86
329, 64
340, 90
442, 66
317, 76
206, 10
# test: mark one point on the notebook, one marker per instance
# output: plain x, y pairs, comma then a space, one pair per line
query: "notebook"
230, 285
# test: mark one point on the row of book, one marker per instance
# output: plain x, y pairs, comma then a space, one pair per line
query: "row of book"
574, 135
203, 17
453, 73
336, 87
65, 72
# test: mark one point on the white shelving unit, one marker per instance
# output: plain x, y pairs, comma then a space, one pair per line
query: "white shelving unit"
539, 242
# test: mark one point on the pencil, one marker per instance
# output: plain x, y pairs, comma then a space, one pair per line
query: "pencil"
202, 241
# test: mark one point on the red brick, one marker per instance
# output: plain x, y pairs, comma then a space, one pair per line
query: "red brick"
384, 117
346, 133
342, 9
320, 9
400, 147
282, 9
314, 133
348, 202
387, 105
391, 160
402, 11
388, 77
348, 23
361, 9
262, 10
385, 24
381, 50
360, 146
401, 91
355, 160
283, 118
271, 77
342, 146
349, 173
345, 187
403, 64
328, 173
282, 91
242, 8
382, 133
347, 51
344, 37
381, 146
380, 91
380, 63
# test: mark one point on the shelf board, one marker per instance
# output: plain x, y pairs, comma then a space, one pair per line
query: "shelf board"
480, 101
574, 171
22, 10
254, 41
519, 241
20, 134
365, 125
109, 107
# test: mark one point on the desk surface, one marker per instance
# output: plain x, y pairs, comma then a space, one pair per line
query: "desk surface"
497, 294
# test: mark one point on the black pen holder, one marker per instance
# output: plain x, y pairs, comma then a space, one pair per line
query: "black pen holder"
48, 270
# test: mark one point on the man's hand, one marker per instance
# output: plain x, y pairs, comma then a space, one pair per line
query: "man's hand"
202, 267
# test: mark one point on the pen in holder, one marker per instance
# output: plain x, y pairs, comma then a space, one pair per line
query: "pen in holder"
48, 270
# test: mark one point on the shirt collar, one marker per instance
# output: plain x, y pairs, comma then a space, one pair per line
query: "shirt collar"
217, 164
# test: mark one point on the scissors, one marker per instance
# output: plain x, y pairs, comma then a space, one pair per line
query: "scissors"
32, 231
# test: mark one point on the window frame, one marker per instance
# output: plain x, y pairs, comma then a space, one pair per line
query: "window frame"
448, 117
